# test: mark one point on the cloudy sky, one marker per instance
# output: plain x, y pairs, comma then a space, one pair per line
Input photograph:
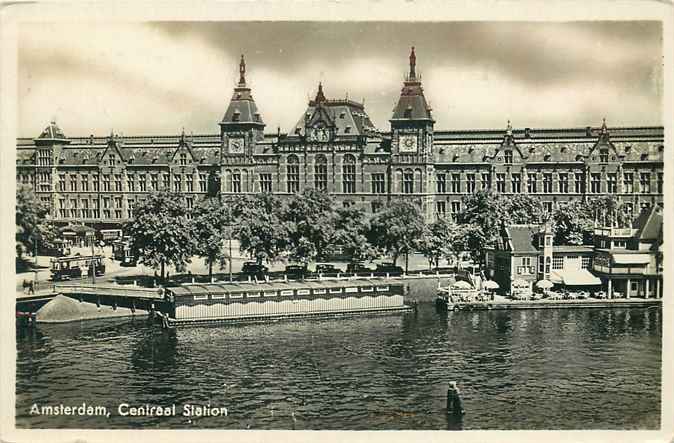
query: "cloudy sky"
156, 78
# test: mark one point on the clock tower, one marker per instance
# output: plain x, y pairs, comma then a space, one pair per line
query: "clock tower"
412, 165
242, 126
412, 123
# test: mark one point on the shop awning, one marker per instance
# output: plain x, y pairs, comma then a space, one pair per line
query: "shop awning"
631, 259
575, 277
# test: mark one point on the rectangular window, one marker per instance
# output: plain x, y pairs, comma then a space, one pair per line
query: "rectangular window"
97, 209
189, 202
470, 183
73, 208
73, 182
579, 183
595, 183
628, 183
118, 202
202, 183
167, 182
131, 182
612, 183
177, 182
660, 182
106, 183
118, 183
441, 208
603, 156
441, 183
547, 207
564, 183
236, 182
190, 183
293, 178
508, 157
547, 183
321, 176
129, 209
106, 208
526, 261
62, 182
142, 182
265, 182
349, 178
408, 182
378, 184
456, 208
557, 262
516, 183
645, 182
456, 183
486, 182
532, 184
500, 182
62, 208
85, 209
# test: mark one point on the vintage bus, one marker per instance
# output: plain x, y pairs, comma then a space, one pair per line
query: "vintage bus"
121, 251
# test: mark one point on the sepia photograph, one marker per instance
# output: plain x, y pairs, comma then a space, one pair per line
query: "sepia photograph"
318, 224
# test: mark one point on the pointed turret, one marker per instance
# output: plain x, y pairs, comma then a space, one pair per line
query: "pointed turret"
412, 104
242, 112
52, 134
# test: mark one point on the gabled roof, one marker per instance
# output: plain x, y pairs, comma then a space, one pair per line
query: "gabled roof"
648, 225
522, 238
115, 145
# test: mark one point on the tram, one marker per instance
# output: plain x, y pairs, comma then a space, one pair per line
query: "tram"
67, 268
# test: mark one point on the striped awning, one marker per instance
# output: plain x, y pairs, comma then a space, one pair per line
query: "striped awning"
574, 277
631, 259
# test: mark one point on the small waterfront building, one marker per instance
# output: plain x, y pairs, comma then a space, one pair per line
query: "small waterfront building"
525, 254
629, 260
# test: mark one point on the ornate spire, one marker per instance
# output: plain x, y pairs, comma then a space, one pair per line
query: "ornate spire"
509, 129
413, 65
320, 97
242, 72
604, 129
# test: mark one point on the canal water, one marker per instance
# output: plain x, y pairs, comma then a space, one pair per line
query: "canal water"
543, 369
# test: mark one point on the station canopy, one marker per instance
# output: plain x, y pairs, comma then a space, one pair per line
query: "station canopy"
631, 259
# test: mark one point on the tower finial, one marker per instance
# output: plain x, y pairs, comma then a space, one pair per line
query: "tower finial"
604, 129
413, 64
242, 71
509, 128
320, 97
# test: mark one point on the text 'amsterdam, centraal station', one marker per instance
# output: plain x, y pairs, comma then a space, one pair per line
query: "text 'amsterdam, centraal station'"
335, 147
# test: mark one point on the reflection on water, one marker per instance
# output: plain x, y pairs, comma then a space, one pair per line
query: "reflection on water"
543, 369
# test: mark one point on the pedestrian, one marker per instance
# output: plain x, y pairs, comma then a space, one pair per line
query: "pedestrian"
31, 287
454, 402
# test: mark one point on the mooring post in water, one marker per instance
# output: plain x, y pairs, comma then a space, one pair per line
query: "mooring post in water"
454, 402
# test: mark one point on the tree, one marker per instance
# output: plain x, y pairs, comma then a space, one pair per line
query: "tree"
32, 224
442, 238
397, 229
572, 224
310, 221
210, 220
351, 227
260, 231
160, 232
485, 212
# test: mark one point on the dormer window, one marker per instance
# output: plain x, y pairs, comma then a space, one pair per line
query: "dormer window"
112, 161
508, 156
131, 159
546, 157
347, 130
644, 156
257, 116
342, 114
183, 158
603, 156
236, 116
408, 112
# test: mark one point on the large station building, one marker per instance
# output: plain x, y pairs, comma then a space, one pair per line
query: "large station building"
97, 180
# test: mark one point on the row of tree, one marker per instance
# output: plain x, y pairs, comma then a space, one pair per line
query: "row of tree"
309, 226
33, 226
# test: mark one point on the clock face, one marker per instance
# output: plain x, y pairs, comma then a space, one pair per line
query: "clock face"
236, 146
407, 143
320, 134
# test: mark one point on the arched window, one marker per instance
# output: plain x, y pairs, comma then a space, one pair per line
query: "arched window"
349, 174
408, 181
321, 173
293, 172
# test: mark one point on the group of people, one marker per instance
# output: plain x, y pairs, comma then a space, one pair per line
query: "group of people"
29, 285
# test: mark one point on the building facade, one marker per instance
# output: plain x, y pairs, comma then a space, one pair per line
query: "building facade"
335, 147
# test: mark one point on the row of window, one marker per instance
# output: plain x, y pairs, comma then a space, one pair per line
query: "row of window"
545, 265
133, 182
108, 207
547, 184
